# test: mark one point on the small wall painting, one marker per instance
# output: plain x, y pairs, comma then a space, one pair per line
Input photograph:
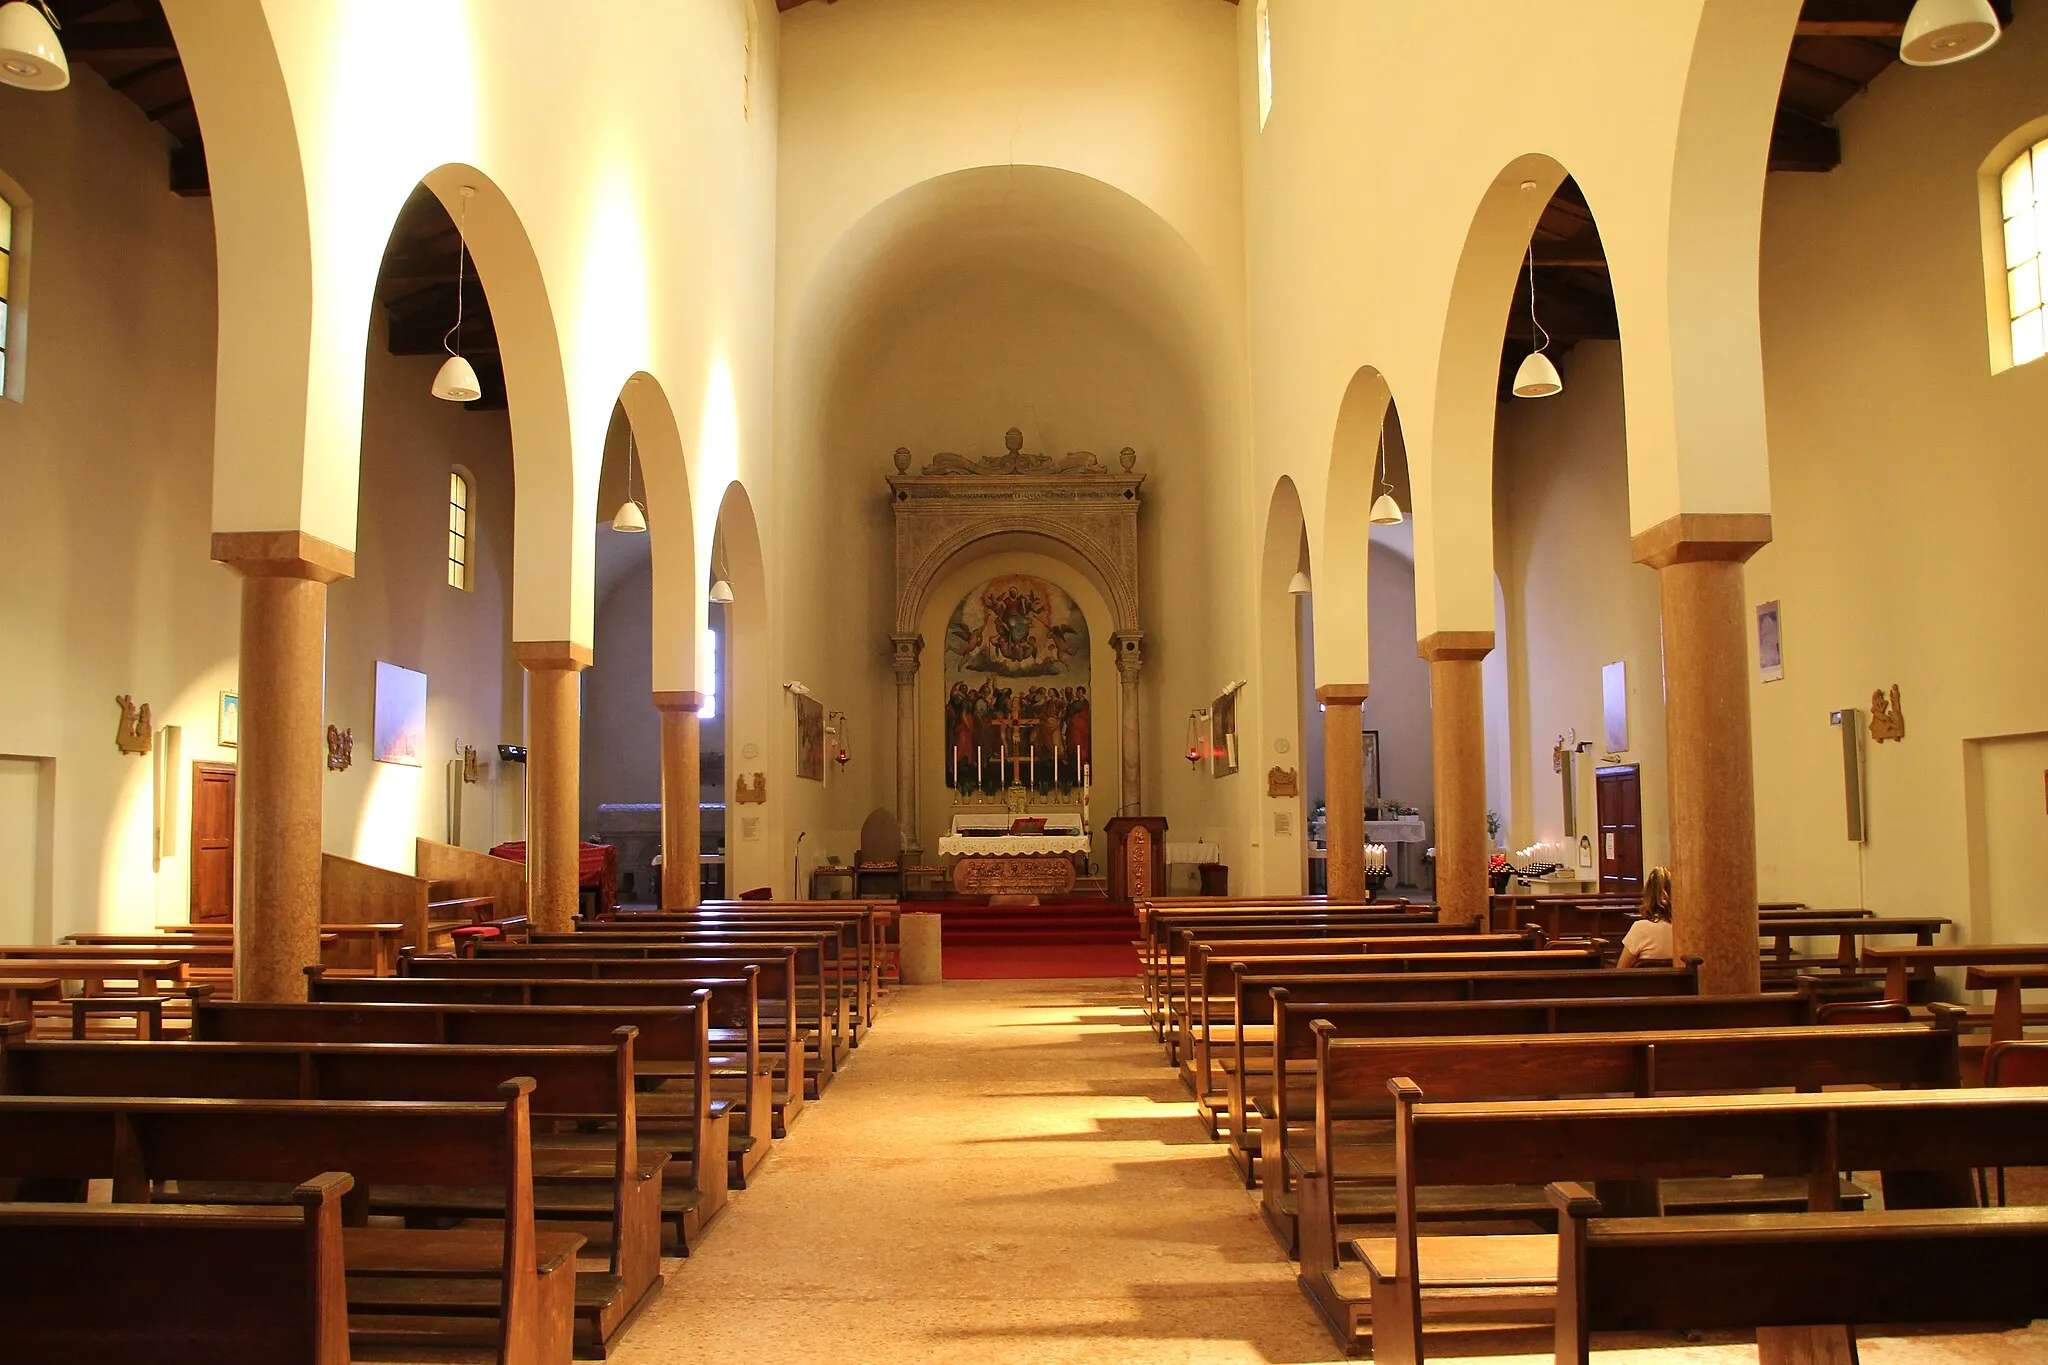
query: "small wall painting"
228, 725
1770, 643
1223, 735
400, 733
810, 738
1372, 767
1614, 705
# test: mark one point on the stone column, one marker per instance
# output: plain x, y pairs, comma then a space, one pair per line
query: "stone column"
1130, 660
907, 650
1344, 789
1457, 699
281, 757
1699, 561
682, 785
554, 741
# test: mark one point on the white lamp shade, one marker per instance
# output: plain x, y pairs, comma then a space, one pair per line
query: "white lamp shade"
456, 381
630, 518
1385, 511
1299, 584
30, 55
1537, 378
721, 591
1942, 31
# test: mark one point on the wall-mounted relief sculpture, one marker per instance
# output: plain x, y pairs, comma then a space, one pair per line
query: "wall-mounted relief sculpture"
134, 734
472, 765
1283, 782
341, 748
751, 789
1887, 718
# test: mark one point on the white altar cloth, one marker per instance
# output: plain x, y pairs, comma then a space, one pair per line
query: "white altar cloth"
1193, 852
1397, 831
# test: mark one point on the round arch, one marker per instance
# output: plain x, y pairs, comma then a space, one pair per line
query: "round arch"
679, 593
749, 702
1343, 649
1283, 861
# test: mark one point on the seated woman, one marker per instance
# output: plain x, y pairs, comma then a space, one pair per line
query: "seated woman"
1649, 938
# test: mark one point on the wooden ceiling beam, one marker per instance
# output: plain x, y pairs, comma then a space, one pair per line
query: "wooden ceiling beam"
132, 38
1800, 142
188, 170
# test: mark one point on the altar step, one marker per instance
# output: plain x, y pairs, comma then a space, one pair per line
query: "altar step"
1033, 926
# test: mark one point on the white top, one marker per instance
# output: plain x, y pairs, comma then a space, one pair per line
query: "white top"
1649, 938
1198, 851
1411, 831
1011, 845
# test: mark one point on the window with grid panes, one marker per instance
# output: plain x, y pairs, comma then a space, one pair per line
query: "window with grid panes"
2023, 204
6, 283
458, 530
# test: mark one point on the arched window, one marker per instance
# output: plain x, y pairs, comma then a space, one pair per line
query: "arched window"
1264, 23
7, 348
2023, 206
461, 520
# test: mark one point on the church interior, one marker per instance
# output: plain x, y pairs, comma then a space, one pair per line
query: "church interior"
1278, 717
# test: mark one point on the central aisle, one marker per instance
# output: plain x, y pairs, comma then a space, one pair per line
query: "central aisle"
1005, 1172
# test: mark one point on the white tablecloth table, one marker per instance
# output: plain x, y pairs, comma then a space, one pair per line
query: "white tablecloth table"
1011, 845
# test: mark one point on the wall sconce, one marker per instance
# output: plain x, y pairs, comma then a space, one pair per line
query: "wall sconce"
796, 688
835, 726
1197, 742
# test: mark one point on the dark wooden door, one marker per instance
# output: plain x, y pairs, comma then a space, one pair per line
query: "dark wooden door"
1620, 793
213, 843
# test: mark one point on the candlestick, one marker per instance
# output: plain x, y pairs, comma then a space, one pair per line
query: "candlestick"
978, 778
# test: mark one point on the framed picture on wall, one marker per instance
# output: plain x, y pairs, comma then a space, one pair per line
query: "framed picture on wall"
228, 725
1372, 767
400, 728
810, 738
1223, 736
1770, 643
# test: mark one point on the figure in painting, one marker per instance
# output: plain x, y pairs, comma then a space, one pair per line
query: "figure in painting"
1017, 663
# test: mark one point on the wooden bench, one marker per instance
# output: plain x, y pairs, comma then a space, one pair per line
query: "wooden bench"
2008, 1005
735, 1029
1519, 1141
21, 993
790, 1029
1773, 1272
513, 1285
110, 1284
868, 921
1163, 938
1846, 930
1909, 972
573, 1182
672, 1049
1282, 1108
352, 949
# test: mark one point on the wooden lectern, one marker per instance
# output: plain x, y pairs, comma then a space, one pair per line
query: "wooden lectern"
1137, 857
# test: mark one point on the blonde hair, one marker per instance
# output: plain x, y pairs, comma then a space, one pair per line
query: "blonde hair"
1657, 894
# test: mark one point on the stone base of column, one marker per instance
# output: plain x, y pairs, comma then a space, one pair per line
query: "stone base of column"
554, 739
1344, 790
281, 757
682, 838
1457, 698
1699, 563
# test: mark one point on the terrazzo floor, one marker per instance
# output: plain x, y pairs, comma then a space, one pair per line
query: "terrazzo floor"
1006, 1171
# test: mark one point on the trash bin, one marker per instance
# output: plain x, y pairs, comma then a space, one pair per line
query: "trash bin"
919, 961
1215, 878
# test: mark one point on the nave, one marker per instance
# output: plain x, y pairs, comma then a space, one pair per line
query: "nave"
1010, 1174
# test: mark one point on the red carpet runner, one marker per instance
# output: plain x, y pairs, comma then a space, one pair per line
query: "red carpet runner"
1051, 941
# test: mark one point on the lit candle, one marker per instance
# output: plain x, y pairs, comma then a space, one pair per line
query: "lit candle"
1034, 765
977, 765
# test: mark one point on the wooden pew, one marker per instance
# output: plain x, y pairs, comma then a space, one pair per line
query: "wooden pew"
820, 967
110, 1284
517, 1285
1162, 940
735, 1024
673, 1048
870, 920
1847, 930
1513, 1275
1283, 1112
348, 949
1774, 1272
791, 1030
1909, 972
573, 1183
2008, 1004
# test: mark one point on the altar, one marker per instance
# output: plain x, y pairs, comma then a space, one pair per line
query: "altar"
996, 853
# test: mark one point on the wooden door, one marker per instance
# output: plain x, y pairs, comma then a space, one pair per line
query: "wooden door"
1620, 801
213, 843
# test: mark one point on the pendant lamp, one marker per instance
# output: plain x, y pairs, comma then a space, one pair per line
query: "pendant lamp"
456, 380
1942, 31
1385, 511
1537, 377
631, 517
31, 58
721, 591
1299, 586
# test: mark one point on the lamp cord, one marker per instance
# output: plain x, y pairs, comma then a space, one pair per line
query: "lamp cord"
1534, 325
450, 337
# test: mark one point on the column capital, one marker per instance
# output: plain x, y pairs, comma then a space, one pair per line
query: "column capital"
1694, 537
689, 702
1130, 653
905, 651
1445, 645
283, 554
545, 654
1343, 694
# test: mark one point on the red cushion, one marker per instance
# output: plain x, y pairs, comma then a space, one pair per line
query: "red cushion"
477, 931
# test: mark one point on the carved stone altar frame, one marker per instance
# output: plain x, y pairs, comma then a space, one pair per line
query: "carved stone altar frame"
1071, 500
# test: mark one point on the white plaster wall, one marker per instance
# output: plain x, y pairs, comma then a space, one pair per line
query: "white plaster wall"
105, 584
401, 609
